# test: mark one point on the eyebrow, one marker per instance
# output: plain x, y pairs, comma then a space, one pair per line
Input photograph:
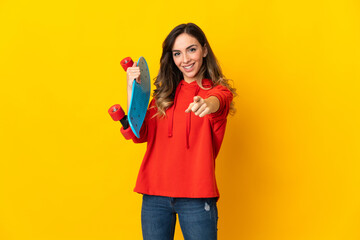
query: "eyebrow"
186, 48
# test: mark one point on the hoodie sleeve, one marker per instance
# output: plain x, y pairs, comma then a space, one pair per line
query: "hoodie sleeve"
225, 97
128, 133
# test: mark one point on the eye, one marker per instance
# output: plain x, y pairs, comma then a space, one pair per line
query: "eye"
192, 49
176, 54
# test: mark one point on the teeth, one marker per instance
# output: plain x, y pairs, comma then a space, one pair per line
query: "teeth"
189, 66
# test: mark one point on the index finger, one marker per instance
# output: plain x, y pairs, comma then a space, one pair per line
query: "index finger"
189, 108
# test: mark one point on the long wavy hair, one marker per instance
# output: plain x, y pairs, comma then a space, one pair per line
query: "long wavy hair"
170, 76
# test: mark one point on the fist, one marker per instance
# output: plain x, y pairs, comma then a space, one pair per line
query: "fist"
133, 73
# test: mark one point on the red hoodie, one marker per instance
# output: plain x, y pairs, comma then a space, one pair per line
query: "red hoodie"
182, 147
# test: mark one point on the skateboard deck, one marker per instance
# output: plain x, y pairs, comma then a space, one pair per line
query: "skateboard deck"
140, 98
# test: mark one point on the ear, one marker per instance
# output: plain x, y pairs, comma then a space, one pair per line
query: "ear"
205, 50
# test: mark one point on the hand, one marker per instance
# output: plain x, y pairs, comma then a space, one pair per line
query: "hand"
131, 74
202, 107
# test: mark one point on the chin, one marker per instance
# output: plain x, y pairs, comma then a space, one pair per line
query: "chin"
190, 76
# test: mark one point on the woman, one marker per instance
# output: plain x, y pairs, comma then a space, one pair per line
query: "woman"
184, 128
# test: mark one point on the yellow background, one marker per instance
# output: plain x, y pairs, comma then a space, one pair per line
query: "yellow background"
289, 165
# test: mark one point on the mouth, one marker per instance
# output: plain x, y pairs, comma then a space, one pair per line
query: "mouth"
189, 67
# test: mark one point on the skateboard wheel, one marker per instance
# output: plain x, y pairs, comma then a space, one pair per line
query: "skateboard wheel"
116, 112
126, 62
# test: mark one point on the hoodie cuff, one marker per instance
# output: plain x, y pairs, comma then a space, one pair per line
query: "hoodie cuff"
127, 133
222, 106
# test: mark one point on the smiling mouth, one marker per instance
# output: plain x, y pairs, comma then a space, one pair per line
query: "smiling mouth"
190, 66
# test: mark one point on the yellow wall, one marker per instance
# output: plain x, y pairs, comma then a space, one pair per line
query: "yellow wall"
289, 165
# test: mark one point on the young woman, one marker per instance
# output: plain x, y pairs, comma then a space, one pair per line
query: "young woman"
184, 128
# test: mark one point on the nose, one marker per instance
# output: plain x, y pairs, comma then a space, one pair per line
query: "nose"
186, 58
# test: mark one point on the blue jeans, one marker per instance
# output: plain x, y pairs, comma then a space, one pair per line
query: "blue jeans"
198, 217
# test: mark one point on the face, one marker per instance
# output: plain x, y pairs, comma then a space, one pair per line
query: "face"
188, 56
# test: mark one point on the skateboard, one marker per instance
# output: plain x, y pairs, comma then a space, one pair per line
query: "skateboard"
139, 99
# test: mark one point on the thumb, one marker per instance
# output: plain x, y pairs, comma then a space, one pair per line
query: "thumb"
197, 99
134, 65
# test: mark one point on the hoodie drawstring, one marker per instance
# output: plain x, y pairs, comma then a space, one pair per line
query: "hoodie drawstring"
188, 116
171, 115
188, 122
